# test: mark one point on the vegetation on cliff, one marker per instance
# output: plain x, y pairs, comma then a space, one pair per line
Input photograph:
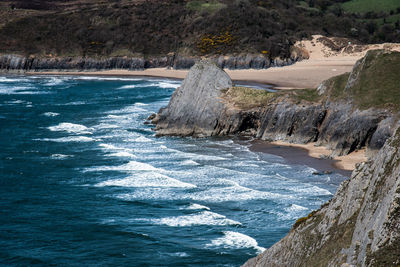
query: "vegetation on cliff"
155, 27
373, 83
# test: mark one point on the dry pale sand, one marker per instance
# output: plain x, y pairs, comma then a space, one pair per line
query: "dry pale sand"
322, 64
346, 162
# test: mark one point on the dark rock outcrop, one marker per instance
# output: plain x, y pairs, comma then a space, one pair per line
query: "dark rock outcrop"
18, 63
360, 226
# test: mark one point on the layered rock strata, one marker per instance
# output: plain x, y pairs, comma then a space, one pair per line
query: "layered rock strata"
200, 108
18, 63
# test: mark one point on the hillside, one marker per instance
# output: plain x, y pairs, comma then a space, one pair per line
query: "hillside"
187, 27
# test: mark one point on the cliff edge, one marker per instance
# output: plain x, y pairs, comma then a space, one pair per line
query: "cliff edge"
360, 226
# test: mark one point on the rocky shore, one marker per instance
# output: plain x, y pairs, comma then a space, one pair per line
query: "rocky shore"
360, 225
19, 63
203, 106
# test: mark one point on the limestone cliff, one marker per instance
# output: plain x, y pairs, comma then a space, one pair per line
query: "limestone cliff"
360, 226
20, 63
195, 107
330, 120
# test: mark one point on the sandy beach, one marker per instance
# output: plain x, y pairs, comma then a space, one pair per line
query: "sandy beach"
323, 63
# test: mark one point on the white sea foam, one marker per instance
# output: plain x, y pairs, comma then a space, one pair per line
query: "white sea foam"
54, 81
122, 154
147, 179
108, 146
143, 139
235, 192
60, 156
68, 139
50, 114
70, 128
130, 166
90, 78
189, 163
17, 102
235, 240
141, 104
202, 218
115, 116
131, 86
75, 103
105, 126
195, 206
20, 90
295, 208
311, 190
12, 80
169, 84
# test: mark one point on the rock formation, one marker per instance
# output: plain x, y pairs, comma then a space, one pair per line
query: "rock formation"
195, 107
359, 226
19, 63
338, 124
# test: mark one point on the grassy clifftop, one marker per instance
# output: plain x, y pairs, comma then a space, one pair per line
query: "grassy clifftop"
374, 82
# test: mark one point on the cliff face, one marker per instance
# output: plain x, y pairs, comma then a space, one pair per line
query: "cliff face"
335, 123
18, 63
360, 226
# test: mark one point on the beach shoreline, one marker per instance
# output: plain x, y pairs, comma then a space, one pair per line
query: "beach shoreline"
317, 157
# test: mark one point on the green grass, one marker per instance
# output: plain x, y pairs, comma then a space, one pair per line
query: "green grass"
310, 95
203, 6
363, 6
377, 84
244, 97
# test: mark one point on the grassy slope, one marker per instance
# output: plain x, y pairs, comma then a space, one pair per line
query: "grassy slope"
363, 6
377, 84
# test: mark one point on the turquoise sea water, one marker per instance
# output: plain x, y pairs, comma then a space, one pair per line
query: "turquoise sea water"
83, 181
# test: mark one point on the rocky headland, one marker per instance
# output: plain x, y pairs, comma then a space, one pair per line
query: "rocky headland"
356, 110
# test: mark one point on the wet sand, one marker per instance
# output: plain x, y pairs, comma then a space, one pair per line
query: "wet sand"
310, 155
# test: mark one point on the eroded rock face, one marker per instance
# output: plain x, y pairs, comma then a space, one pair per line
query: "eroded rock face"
199, 108
19, 63
195, 107
360, 226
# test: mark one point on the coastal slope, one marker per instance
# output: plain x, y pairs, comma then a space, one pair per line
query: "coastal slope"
359, 226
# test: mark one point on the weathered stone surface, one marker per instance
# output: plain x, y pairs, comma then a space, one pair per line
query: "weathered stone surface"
337, 125
194, 108
360, 226
18, 63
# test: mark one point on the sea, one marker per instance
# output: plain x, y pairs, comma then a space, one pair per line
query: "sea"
85, 182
